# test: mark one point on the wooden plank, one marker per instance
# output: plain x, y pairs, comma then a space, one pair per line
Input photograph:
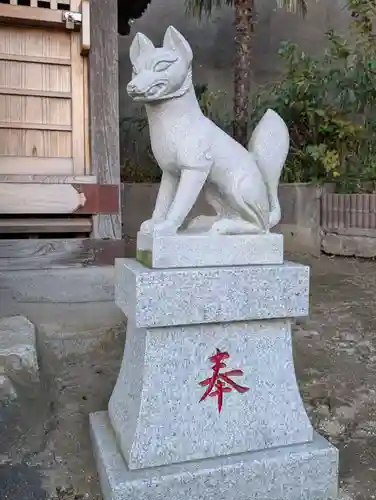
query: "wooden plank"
78, 98
35, 126
23, 199
31, 198
30, 109
36, 143
45, 225
85, 27
27, 254
35, 76
24, 41
49, 179
75, 5
104, 106
34, 59
37, 93
31, 16
86, 118
34, 165
53, 4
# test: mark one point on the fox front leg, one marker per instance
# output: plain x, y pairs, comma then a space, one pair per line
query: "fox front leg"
190, 186
166, 194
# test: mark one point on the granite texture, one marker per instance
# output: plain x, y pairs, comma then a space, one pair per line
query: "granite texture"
299, 472
18, 352
190, 249
155, 408
154, 298
194, 154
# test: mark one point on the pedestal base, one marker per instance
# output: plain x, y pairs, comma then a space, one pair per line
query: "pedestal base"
194, 249
300, 472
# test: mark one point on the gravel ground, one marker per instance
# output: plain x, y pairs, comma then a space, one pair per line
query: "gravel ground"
45, 450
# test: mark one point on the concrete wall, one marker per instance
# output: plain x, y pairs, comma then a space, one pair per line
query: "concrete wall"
212, 41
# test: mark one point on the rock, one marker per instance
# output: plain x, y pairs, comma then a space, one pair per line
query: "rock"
332, 428
7, 391
18, 355
349, 246
366, 429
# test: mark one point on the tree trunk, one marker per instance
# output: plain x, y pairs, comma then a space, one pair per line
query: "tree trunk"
244, 24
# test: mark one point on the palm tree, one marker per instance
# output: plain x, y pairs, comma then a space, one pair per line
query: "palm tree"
244, 24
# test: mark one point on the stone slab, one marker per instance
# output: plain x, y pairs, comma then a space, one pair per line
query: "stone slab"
7, 391
154, 297
18, 354
300, 472
194, 249
349, 245
155, 408
73, 285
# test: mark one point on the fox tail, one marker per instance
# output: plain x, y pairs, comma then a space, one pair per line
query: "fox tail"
269, 144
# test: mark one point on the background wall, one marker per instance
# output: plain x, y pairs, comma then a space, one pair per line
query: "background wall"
212, 41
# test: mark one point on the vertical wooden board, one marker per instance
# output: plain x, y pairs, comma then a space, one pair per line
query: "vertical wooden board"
85, 27
53, 4
34, 110
78, 98
86, 119
43, 143
34, 76
35, 42
104, 106
75, 5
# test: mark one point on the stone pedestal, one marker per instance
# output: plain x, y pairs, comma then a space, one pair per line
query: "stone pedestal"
206, 405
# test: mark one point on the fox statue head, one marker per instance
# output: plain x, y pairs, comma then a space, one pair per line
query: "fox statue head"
160, 73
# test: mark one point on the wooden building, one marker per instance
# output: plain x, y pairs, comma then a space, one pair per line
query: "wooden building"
59, 132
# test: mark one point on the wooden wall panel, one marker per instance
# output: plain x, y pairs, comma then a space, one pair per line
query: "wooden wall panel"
34, 166
35, 42
78, 102
34, 76
38, 110
44, 122
41, 143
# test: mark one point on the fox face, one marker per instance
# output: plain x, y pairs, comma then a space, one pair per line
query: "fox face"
159, 73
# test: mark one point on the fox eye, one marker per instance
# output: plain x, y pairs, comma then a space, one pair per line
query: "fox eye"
162, 66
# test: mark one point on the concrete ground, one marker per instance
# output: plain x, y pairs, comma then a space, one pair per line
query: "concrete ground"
45, 451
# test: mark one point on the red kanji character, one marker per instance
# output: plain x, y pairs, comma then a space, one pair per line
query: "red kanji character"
218, 383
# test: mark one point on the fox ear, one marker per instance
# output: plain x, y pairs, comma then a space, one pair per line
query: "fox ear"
140, 44
173, 40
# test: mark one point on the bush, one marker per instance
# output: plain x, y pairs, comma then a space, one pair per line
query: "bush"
329, 105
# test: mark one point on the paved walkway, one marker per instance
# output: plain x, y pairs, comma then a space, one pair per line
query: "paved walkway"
335, 355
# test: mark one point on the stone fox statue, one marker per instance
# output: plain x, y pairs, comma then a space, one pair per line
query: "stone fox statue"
195, 154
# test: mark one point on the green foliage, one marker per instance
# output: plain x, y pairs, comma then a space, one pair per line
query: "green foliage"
329, 104
138, 164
